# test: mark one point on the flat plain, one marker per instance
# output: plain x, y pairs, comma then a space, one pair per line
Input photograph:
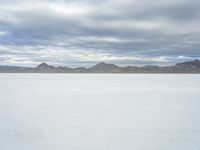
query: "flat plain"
99, 112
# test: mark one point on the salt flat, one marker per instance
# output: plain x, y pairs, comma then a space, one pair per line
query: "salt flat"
99, 112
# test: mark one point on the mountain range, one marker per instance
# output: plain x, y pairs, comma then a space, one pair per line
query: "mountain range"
184, 67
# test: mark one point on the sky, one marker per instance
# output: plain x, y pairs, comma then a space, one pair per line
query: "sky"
85, 32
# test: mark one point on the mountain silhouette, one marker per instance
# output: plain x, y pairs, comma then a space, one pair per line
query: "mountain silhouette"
102, 67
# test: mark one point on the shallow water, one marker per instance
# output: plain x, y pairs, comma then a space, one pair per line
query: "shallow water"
99, 112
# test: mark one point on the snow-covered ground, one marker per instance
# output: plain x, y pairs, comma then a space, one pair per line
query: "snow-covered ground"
99, 112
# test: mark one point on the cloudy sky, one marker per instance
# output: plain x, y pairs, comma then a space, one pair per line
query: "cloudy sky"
84, 32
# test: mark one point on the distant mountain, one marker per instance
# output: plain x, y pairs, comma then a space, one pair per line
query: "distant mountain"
184, 67
44, 65
44, 68
190, 64
103, 67
12, 69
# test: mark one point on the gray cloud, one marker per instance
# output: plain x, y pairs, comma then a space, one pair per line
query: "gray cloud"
85, 32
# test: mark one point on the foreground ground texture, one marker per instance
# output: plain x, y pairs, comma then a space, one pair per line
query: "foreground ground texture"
99, 112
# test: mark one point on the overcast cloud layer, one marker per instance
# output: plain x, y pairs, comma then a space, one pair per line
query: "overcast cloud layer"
81, 33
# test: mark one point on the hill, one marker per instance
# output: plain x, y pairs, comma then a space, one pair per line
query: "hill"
183, 67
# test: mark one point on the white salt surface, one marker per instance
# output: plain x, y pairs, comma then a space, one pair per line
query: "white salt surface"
99, 112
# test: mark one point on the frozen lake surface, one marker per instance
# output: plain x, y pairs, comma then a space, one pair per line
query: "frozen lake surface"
99, 112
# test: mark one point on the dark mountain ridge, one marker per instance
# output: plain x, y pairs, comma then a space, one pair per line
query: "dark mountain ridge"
184, 67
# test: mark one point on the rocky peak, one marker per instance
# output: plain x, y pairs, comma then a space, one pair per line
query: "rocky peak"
44, 66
